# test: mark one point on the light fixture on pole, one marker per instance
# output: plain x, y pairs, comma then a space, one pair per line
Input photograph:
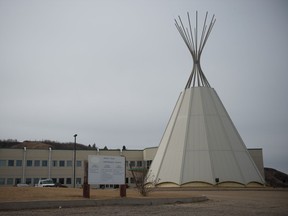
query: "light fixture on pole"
74, 167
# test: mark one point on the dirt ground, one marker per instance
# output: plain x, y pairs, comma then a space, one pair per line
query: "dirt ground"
221, 202
38, 193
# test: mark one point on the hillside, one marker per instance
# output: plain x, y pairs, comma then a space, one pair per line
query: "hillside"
275, 178
46, 144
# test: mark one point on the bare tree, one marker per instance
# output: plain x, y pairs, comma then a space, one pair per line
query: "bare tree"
144, 181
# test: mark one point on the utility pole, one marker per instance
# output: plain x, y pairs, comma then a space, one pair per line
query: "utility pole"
74, 167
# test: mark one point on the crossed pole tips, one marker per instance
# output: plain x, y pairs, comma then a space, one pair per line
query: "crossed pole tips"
195, 46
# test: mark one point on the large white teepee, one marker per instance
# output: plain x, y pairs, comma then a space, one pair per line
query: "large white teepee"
201, 145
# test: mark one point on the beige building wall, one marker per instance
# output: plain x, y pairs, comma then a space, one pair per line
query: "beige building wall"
10, 171
149, 153
257, 156
20, 165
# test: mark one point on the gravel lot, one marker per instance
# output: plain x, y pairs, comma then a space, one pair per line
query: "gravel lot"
237, 203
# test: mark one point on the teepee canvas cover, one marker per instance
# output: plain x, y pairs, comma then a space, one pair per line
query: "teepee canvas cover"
201, 144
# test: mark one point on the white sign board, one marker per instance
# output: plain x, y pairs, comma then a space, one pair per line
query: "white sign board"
106, 169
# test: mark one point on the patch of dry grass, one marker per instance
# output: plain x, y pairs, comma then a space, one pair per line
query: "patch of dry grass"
35, 193
46, 193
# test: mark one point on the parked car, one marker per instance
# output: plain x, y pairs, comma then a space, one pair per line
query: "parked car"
45, 183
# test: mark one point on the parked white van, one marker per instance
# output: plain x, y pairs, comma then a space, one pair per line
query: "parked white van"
45, 183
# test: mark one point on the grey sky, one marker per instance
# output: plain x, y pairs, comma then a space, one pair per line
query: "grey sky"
111, 71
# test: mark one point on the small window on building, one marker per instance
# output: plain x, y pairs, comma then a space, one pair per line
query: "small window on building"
2, 181
68, 181
2, 163
28, 181
17, 181
37, 163
10, 181
44, 163
61, 163
54, 163
10, 162
148, 163
132, 163
54, 180
36, 180
18, 162
126, 180
29, 163
69, 163
139, 163
79, 163
78, 181
61, 180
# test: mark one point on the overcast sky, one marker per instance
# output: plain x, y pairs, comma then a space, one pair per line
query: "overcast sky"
111, 71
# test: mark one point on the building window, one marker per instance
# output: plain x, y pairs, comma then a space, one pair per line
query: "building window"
68, 181
36, 180
44, 163
132, 181
54, 163
61, 163
61, 180
28, 181
17, 181
69, 163
79, 163
78, 181
139, 163
37, 163
29, 163
126, 180
54, 180
2, 181
148, 163
18, 162
10, 162
2, 163
132, 163
10, 181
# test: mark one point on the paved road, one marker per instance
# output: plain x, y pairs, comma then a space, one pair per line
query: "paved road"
237, 203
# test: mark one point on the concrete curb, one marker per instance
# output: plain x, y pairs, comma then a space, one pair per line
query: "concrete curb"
5, 206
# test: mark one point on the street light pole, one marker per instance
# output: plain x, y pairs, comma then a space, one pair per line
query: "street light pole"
74, 167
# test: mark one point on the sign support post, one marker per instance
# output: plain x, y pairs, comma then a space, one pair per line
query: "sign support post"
86, 186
